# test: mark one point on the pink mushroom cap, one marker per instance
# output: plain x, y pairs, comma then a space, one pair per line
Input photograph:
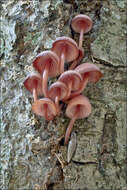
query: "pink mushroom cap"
91, 70
71, 48
47, 57
71, 76
38, 107
80, 106
81, 22
58, 89
34, 81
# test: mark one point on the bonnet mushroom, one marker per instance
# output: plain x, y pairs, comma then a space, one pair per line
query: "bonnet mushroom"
46, 63
81, 24
58, 91
67, 50
45, 108
72, 80
33, 83
78, 107
90, 73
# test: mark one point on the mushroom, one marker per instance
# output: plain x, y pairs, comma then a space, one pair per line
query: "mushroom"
67, 50
58, 91
78, 107
72, 80
90, 73
81, 24
45, 108
47, 63
33, 83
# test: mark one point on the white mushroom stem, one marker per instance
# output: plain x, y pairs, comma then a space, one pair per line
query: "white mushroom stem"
70, 127
62, 60
34, 94
45, 80
81, 38
83, 85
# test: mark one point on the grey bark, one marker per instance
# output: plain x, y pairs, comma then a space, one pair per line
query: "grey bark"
32, 152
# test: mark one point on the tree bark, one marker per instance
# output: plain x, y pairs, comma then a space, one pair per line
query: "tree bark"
33, 155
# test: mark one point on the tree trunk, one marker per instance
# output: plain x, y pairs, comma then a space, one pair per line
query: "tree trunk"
33, 155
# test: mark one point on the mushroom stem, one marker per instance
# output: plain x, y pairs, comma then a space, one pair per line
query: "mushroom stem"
47, 117
83, 85
62, 60
69, 90
45, 80
57, 105
73, 65
81, 38
34, 94
69, 129
76, 61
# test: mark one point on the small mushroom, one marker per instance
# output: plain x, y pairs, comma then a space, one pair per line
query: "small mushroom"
58, 91
33, 83
67, 50
72, 80
46, 63
81, 24
90, 73
78, 107
44, 107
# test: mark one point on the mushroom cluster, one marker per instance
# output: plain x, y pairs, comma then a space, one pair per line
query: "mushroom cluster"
70, 83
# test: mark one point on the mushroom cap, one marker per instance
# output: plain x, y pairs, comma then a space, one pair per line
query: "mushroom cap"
71, 76
79, 105
81, 22
47, 57
71, 48
92, 71
38, 107
58, 88
34, 81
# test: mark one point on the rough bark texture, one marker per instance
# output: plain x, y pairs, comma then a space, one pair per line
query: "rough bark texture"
32, 152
